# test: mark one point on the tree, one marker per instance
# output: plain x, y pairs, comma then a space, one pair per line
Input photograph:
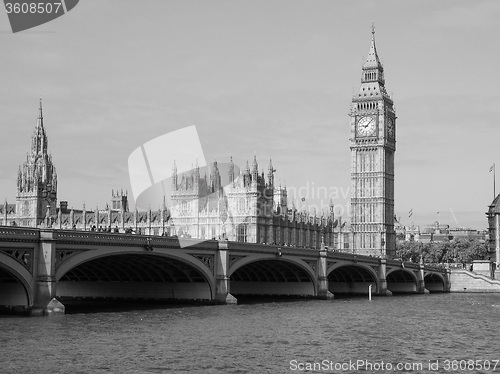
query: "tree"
410, 251
468, 250
458, 250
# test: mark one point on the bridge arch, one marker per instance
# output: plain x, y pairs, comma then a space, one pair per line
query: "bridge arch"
434, 282
352, 278
401, 281
132, 273
15, 280
272, 275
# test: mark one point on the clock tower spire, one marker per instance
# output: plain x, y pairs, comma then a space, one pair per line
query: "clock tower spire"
372, 143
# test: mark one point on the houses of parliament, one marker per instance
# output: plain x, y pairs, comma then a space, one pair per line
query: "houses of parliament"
251, 208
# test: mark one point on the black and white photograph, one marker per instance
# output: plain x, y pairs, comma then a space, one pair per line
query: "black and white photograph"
250, 186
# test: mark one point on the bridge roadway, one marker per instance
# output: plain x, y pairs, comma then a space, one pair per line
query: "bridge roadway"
40, 266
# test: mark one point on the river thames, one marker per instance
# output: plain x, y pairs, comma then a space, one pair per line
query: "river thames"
435, 333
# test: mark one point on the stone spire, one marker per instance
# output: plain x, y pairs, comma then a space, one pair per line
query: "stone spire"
247, 177
196, 167
215, 181
196, 176
231, 171
372, 61
270, 174
174, 177
372, 79
37, 179
39, 139
255, 169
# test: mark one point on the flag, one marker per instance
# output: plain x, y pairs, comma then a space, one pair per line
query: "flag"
410, 213
492, 168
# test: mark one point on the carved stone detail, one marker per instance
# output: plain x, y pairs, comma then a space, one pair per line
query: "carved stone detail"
63, 254
22, 255
208, 260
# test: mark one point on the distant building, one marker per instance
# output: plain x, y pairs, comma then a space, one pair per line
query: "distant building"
494, 229
437, 232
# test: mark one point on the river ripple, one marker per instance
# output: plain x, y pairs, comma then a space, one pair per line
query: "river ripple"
258, 338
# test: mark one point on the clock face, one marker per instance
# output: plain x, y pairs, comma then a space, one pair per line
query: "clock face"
390, 128
366, 126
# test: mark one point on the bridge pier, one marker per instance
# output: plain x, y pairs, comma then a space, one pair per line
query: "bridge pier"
447, 286
323, 292
420, 279
44, 287
222, 282
382, 272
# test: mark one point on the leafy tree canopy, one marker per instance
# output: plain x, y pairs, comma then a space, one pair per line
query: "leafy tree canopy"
458, 250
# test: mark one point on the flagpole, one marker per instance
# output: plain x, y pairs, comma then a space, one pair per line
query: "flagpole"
494, 178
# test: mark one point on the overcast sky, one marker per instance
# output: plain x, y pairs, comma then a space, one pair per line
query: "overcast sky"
271, 78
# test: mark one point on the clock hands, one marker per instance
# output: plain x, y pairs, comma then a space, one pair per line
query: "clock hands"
366, 125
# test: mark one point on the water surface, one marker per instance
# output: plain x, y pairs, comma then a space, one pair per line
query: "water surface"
270, 337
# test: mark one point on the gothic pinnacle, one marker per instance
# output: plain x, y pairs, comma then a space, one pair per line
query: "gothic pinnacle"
40, 115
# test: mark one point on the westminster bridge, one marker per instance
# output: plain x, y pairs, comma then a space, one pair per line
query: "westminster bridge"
38, 267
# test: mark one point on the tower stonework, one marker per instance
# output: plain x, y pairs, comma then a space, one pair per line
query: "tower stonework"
372, 143
37, 181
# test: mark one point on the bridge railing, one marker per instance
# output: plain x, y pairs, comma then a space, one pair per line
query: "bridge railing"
102, 238
12, 233
438, 268
256, 246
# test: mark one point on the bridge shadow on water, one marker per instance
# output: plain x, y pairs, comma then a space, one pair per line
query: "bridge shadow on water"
265, 299
113, 305
78, 306
117, 305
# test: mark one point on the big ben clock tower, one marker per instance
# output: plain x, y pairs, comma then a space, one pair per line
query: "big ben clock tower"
373, 143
